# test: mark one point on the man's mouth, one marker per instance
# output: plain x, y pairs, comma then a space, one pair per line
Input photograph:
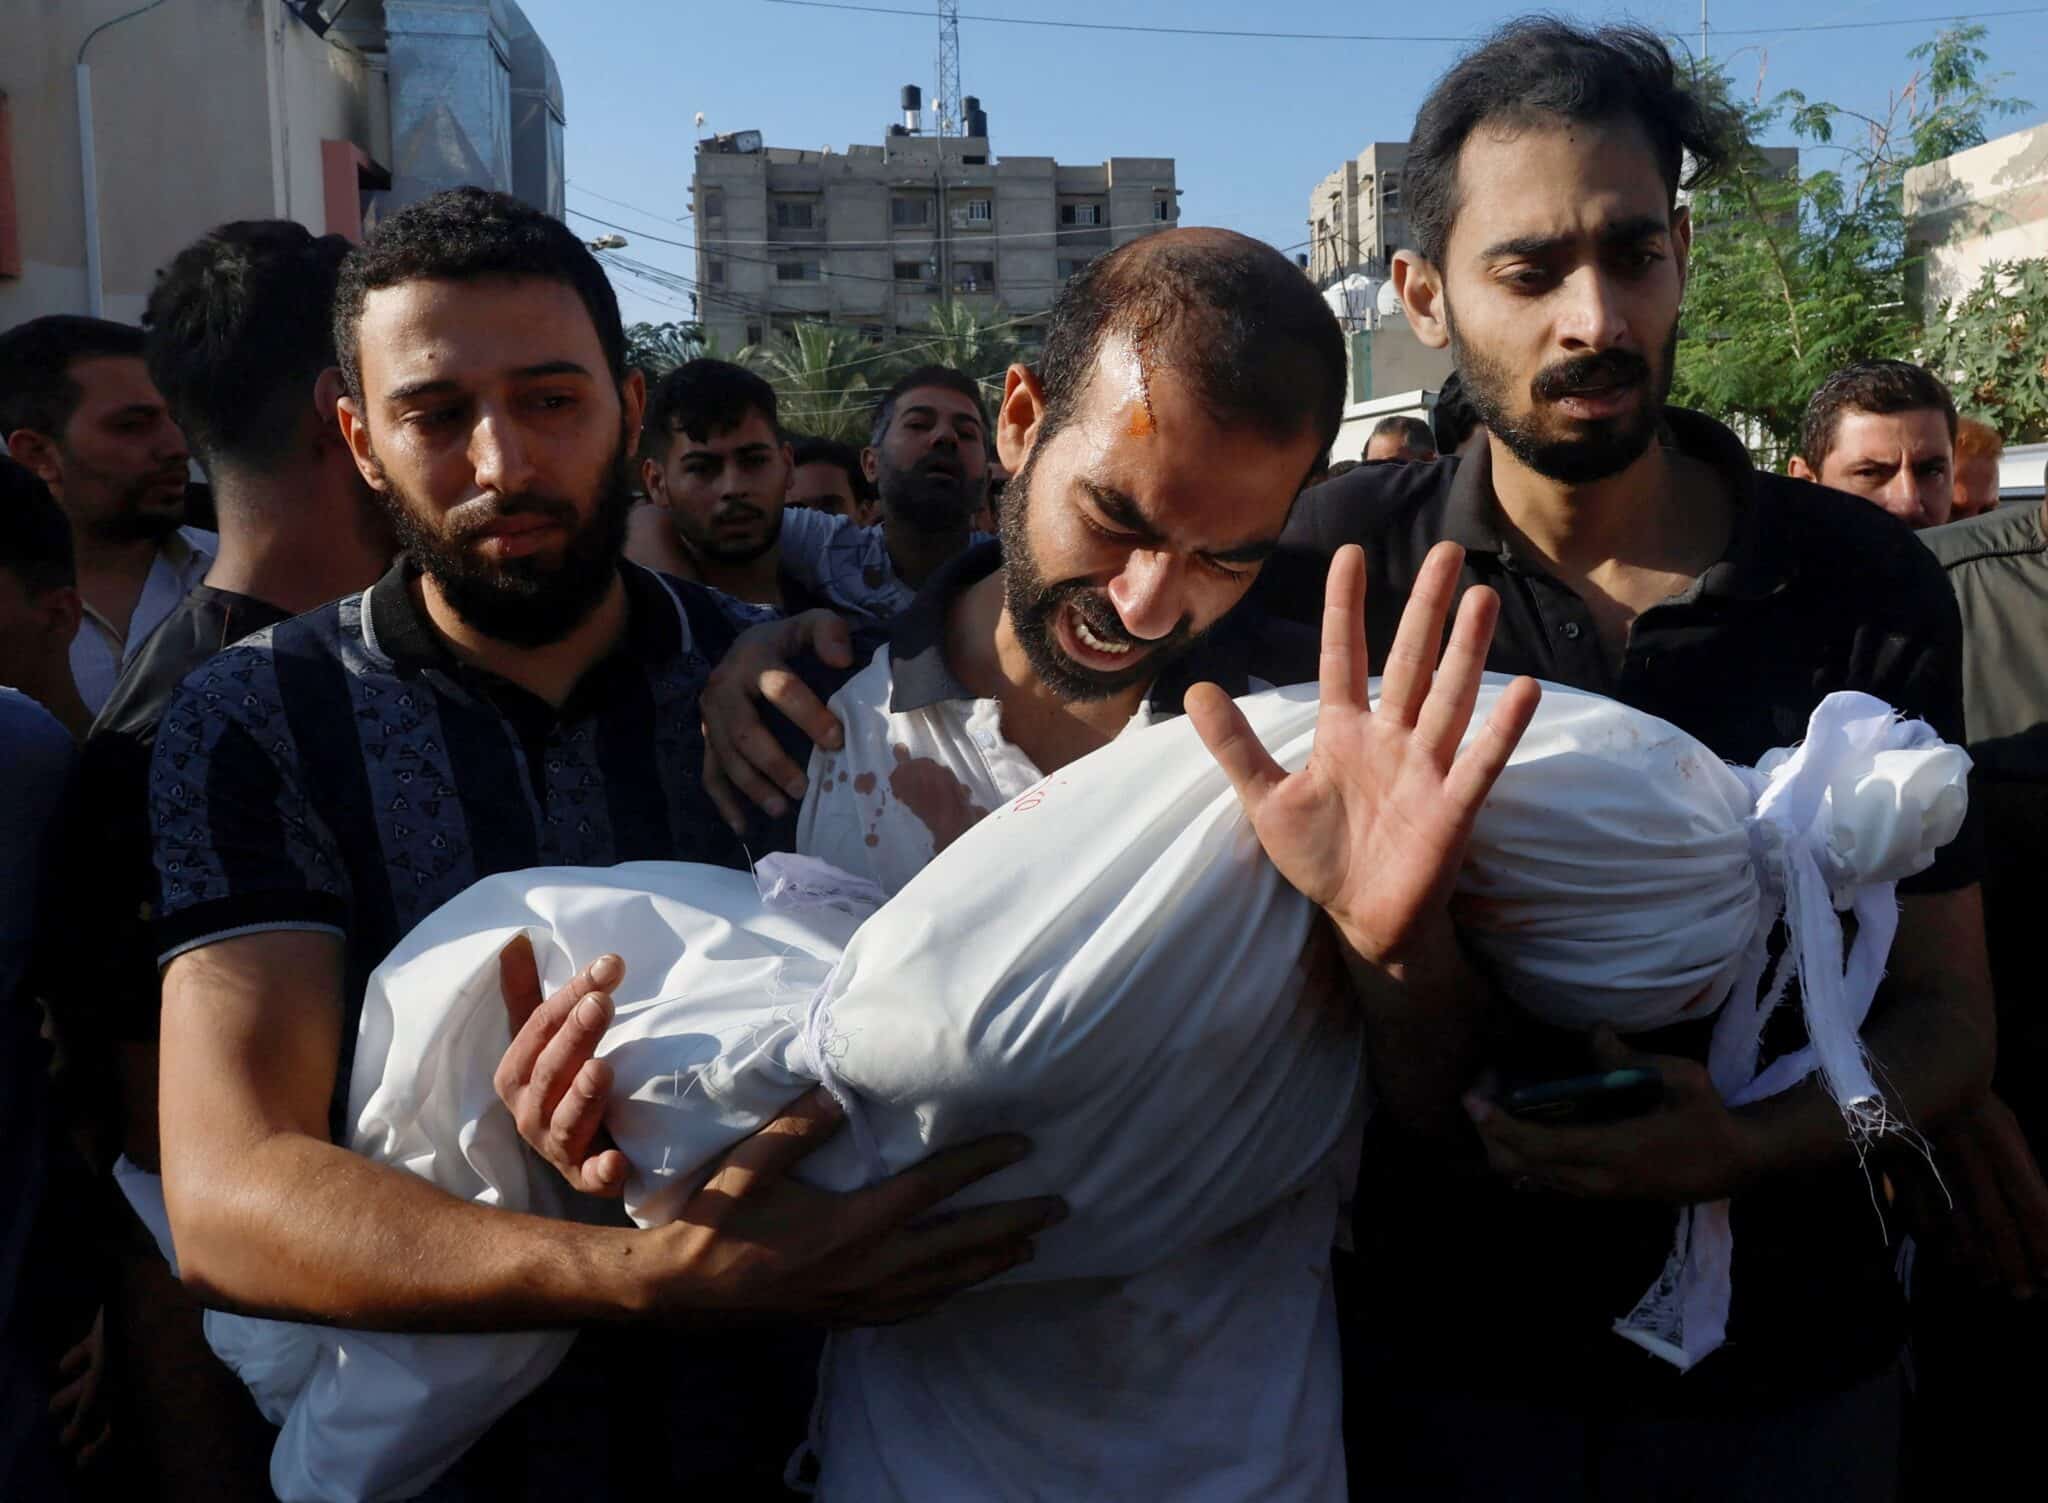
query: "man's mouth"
1091, 649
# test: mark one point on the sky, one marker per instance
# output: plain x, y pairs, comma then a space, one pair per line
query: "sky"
1253, 122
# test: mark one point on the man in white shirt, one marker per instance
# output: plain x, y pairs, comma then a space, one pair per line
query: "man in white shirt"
1159, 445
78, 408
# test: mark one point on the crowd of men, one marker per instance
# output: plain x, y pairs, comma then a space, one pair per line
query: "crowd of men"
474, 595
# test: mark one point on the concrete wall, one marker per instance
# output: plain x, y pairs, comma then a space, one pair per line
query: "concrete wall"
1979, 206
1349, 228
858, 245
202, 113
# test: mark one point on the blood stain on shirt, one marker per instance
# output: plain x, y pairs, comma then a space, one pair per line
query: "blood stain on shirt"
935, 796
865, 782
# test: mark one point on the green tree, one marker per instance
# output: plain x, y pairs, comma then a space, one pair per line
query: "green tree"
984, 347
1794, 275
822, 378
1991, 346
659, 348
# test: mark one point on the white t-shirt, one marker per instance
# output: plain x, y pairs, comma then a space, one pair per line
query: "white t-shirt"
1213, 1378
99, 653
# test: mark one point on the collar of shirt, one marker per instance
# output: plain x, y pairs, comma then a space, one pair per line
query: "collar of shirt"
1752, 566
921, 676
657, 631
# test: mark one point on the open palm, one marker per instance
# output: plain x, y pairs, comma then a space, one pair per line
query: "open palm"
1374, 828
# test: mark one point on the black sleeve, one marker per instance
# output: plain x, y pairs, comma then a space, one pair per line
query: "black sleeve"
1917, 668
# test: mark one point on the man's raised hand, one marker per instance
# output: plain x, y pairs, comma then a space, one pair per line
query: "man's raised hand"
1374, 828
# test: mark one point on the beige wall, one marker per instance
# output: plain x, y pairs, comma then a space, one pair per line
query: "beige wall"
202, 113
1983, 205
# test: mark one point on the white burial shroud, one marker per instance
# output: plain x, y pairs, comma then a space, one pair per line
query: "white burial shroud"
1110, 965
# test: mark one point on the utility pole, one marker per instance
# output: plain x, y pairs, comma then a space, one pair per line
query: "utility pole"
946, 116
1703, 32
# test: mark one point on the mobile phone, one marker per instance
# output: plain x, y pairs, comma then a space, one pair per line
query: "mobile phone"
1581, 1099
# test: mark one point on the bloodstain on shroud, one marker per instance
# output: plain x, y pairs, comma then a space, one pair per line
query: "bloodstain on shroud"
939, 799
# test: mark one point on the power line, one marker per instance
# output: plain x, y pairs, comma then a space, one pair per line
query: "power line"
1333, 36
621, 203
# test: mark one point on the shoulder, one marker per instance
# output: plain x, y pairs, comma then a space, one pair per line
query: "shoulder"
807, 529
2008, 532
1370, 501
1864, 561
39, 749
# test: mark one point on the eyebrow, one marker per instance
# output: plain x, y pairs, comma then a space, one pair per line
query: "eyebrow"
442, 386
1631, 231
136, 409
1123, 512
932, 412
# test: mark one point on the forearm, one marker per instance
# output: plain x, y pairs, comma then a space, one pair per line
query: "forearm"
1429, 1019
1931, 1057
299, 1229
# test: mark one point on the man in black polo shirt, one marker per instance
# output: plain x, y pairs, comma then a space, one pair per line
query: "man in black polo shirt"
1638, 554
509, 695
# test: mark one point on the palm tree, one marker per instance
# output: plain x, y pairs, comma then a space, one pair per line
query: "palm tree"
821, 378
961, 336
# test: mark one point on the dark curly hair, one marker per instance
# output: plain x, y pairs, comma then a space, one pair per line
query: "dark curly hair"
1875, 386
466, 235
1543, 68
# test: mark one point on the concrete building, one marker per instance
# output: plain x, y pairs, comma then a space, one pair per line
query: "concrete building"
876, 237
1355, 220
250, 109
1964, 212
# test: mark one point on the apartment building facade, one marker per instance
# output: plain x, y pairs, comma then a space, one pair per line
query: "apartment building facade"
876, 237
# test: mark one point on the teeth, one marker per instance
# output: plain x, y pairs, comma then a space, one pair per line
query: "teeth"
1095, 643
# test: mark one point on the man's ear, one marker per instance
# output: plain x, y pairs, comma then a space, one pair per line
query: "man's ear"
1421, 287
871, 465
355, 432
1018, 419
38, 452
633, 402
1681, 244
1799, 469
654, 481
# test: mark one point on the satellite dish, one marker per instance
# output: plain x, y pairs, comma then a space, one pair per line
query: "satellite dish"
1389, 302
700, 120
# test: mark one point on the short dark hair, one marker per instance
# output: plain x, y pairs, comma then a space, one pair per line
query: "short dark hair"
35, 535
1879, 386
467, 235
1414, 434
945, 377
240, 325
1542, 68
702, 398
837, 452
36, 389
1236, 319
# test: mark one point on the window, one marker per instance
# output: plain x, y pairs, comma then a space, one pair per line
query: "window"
975, 276
1390, 192
714, 206
974, 161
1080, 213
714, 273
753, 333
910, 210
1162, 208
979, 211
794, 214
796, 271
912, 271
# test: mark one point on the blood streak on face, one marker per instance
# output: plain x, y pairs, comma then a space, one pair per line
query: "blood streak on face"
935, 796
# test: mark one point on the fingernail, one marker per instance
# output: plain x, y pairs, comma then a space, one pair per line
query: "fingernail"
1478, 1108
736, 827
794, 788
590, 1011
834, 739
776, 807
605, 970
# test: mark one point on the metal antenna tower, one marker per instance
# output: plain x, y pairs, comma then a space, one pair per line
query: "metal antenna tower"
947, 110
